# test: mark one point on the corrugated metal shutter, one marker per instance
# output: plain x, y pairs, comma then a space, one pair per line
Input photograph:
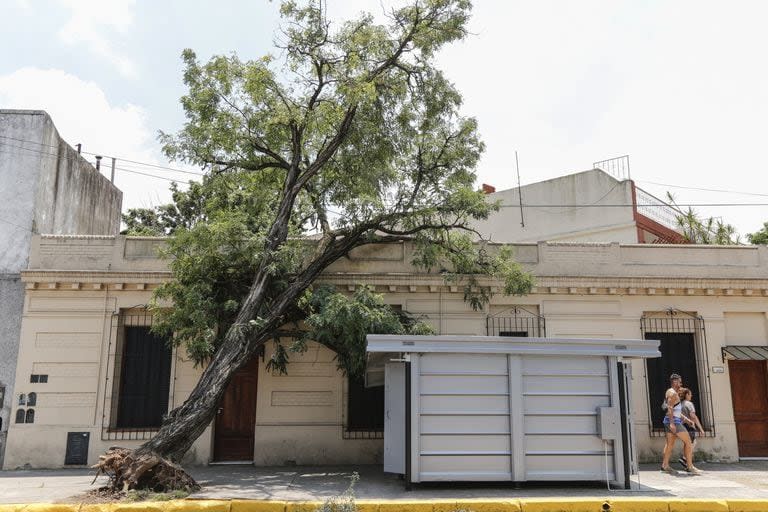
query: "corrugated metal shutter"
464, 417
561, 396
472, 428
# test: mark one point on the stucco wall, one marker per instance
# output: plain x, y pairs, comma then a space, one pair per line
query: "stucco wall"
553, 223
11, 291
46, 187
583, 290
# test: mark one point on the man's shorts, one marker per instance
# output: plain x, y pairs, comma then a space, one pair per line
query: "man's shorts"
691, 432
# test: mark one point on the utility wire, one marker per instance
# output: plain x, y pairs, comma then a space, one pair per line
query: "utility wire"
147, 164
14, 224
629, 205
54, 155
134, 171
704, 189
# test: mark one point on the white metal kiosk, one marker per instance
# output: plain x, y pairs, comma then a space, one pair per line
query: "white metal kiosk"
489, 408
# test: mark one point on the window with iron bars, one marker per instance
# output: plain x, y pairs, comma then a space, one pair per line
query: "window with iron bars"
516, 321
683, 347
365, 410
139, 386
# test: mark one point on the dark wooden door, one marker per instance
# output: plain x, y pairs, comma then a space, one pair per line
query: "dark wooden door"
749, 389
235, 425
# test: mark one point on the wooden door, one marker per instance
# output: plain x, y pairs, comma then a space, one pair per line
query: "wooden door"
235, 425
749, 389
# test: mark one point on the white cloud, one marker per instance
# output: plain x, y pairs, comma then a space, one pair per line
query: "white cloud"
92, 22
83, 114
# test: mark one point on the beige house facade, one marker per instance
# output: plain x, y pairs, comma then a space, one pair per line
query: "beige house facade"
85, 331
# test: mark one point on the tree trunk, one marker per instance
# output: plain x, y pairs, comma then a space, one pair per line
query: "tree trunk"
187, 422
159, 456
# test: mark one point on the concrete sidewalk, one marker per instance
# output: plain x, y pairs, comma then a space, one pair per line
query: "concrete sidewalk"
746, 480
743, 480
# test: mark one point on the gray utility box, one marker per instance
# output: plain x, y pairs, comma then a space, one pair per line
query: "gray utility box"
488, 408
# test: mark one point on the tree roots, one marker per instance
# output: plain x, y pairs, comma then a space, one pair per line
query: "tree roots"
133, 469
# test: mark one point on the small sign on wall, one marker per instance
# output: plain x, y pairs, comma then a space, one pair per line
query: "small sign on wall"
718, 369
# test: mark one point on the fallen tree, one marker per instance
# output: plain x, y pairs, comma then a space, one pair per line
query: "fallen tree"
355, 138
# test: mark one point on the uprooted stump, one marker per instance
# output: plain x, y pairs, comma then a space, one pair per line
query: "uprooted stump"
130, 469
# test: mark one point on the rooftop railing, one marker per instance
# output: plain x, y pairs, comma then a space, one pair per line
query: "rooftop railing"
656, 209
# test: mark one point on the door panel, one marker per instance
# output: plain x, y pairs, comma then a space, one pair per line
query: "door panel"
749, 390
236, 419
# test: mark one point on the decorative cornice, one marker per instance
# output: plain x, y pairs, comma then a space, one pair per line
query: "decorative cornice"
426, 283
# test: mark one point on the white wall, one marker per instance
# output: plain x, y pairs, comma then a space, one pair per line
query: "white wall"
584, 224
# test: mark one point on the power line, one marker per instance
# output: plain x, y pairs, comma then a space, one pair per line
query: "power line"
146, 164
629, 205
14, 224
704, 189
151, 175
134, 171
54, 155
121, 159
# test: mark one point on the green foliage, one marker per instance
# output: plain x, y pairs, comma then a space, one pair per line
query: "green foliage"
184, 212
759, 237
341, 323
353, 137
707, 231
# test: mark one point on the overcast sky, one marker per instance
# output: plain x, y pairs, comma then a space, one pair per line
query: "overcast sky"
681, 87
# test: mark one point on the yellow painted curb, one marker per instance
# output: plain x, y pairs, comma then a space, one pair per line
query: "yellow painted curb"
257, 506
639, 505
561, 505
476, 505
51, 507
138, 506
698, 506
302, 506
10, 508
405, 506
198, 506
367, 506
96, 507
748, 505
439, 505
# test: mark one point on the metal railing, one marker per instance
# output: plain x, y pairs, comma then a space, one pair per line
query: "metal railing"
139, 316
362, 434
516, 321
617, 167
656, 209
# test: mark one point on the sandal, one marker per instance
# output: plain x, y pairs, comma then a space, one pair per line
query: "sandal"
667, 469
693, 470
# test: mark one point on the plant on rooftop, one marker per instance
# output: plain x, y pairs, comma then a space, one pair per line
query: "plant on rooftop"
759, 237
352, 137
704, 230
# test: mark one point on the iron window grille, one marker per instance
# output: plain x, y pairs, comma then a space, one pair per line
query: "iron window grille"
674, 328
516, 321
364, 412
138, 316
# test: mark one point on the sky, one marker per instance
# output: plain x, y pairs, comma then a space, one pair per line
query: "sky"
681, 87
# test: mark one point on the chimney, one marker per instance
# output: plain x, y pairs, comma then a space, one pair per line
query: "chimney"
488, 189
98, 162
